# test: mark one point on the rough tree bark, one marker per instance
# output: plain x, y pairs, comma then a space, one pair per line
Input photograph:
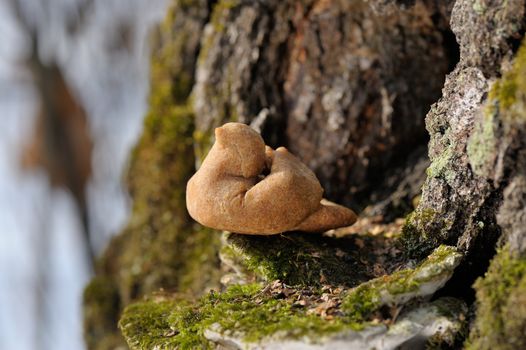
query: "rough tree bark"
346, 86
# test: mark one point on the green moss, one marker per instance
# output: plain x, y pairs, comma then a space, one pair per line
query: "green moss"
368, 297
500, 321
505, 106
508, 95
305, 260
242, 310
505, 91
362, 301
402, 282
238, 310
145, 325
101, 309
501, 298
512, 86
252, 312
234, 260
163, 248
421, 232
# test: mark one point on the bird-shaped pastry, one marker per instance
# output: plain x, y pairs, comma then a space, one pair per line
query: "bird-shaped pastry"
246, 187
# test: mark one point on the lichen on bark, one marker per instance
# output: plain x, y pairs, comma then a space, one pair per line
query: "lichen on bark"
465, 182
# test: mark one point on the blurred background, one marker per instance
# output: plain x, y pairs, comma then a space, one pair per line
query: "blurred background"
73, 90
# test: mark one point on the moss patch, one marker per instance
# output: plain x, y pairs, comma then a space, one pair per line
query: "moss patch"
399, 286
501, 312
501, 298
101, 307
253, 312
511, 88
314, 259
414, 239
246, 310
151, 330
161, 247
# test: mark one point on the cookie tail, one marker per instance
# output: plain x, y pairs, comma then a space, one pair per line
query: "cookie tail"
328, 217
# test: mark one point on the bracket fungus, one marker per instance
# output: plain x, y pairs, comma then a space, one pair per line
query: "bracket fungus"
246, 187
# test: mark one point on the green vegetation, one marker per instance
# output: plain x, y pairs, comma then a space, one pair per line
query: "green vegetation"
397, 287
506, 92
304, 260
251, 312
362, 301
151, 330
162, 248
240, 310
101, 306
414, 238
501, 304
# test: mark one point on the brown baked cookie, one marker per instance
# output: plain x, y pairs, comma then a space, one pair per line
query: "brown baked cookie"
230, 191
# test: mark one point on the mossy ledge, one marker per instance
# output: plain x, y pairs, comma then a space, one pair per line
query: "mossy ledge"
308, 260
404, 285
255, 311
501, 304
244, 309
414, 239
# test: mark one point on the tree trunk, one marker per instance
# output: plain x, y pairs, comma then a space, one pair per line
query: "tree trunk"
345, 85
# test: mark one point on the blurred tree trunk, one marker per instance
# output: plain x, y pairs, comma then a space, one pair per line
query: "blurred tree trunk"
345, 85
